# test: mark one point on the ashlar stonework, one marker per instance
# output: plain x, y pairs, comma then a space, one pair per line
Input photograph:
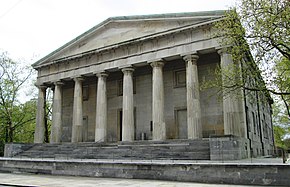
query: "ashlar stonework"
138, 78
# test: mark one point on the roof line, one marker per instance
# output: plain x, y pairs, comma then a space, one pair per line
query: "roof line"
133, 40
136, 17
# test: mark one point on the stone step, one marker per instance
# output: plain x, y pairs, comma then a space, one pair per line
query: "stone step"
169, 149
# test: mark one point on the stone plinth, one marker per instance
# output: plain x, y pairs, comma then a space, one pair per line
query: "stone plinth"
228, 147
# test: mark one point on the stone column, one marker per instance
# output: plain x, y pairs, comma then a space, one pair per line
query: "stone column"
194, 129
128, 106
159, 128
230, 105
101, 108
40, 115
77, 111
56, 128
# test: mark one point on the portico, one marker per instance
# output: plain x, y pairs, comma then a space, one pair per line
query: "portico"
139, 78
155, 96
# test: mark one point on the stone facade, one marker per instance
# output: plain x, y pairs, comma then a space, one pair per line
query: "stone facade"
138, 78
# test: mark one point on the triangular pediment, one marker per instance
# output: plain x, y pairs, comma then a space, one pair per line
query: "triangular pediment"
121, 29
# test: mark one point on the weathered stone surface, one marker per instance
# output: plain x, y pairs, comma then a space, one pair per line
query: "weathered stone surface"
157, 150
101, 109
12, 149
128, 130
245, 174
159, 126
228, 148
168, 103
193, 99
40, 114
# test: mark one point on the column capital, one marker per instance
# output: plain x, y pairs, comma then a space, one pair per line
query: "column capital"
127, 70
41, 86
58, 83
191, 57
102, 74
224, 50
159, 63
78, 79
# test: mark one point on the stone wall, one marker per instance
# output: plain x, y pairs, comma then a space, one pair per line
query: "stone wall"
218, 173
12, 149
260, 129
228, 147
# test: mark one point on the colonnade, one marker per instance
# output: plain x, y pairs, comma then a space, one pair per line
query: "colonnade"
159, 126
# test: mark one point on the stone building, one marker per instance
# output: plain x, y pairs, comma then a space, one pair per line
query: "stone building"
138, 78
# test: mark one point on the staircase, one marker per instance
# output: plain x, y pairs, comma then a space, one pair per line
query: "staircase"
138, 150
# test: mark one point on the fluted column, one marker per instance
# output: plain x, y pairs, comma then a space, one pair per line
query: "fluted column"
194, 128
159, 128
230, 103
101, 108
77, 111
128, 105
56, 128
40, 115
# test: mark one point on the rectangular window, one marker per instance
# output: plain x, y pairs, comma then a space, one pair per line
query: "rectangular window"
85, 92
179, 78
254, 122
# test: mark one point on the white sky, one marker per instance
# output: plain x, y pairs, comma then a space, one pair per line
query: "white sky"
31, 29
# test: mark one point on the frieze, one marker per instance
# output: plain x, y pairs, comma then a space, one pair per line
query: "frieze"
131, 53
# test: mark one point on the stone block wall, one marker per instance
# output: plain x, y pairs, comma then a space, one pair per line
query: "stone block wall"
217, 173
12, 149
228, 147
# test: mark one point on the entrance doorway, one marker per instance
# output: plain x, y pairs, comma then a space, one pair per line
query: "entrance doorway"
181, 123
85, 129
120, 124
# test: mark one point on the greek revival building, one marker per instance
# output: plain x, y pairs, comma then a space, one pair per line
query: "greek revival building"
138, 78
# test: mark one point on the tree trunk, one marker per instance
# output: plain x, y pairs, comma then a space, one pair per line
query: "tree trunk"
10, 131
6, 134
46, 135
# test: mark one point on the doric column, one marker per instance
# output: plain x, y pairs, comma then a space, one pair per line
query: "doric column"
101, 108
230, 105
159, 128
128, 105
194, 129
77, 111
56, 128
40, 115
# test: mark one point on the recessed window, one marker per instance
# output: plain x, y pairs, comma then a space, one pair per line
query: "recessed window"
180, 78
85, 92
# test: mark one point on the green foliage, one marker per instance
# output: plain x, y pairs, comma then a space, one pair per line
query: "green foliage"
25, 133
282, 80
279, 134
17, 120
257, 35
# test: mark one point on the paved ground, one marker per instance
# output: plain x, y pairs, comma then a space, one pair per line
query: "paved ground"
68, 181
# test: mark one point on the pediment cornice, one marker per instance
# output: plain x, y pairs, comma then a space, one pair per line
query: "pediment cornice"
185, 21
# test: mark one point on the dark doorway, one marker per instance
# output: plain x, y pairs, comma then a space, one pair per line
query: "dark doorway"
120, 125
181, 124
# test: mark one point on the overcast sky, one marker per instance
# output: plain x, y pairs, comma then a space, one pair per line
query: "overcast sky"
30, 29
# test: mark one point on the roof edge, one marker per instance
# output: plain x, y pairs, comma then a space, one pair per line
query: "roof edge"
136, 17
